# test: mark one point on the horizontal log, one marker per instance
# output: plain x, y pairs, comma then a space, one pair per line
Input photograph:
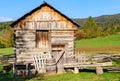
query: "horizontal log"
32, 53
25, 40
47, 28
61, 33
57, 48
33, 50
62, 37
25, 31
32, 43
24, 56
25, 60
27, 34
26, 46
61, 41
25, 37
52, 31
22, 32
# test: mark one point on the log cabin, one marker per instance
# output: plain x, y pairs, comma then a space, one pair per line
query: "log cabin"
45, 33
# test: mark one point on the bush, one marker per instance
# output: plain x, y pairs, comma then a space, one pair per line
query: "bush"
80, 35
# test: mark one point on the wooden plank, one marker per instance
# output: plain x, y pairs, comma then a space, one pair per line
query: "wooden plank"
27, 34
68, 65
24, 40
24, 46
60, 36
32, 43
45, 50
61, 41
22, 30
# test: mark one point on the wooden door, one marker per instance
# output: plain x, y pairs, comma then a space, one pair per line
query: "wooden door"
58, 52
42, 38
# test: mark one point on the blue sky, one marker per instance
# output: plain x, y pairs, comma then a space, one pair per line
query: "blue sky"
13, 9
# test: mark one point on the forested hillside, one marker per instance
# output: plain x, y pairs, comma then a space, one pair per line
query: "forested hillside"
98, 26
101, 20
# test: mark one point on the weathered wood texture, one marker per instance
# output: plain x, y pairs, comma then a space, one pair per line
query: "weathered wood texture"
38, 31
40, 62
61, 37
45, 19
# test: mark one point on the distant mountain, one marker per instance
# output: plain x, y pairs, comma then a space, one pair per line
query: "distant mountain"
101, 20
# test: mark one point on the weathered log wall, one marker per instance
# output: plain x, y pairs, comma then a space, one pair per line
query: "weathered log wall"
61, 31
64, 37
25, 45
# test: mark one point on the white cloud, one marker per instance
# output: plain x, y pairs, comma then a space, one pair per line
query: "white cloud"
3, 19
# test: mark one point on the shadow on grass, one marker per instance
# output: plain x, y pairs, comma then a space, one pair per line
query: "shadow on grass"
9, 77
91, 70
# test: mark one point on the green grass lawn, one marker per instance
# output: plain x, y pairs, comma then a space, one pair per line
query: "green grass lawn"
6, 51
113, 40
82, 76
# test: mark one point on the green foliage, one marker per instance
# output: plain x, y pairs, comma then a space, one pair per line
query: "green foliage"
116, 62
90, 28
6, 35
80, 34
99, 26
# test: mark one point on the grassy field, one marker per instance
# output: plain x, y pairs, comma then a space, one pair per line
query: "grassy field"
6, 51
113, 40
82, 76
109, 44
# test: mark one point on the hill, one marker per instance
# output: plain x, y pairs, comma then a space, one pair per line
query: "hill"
103, 20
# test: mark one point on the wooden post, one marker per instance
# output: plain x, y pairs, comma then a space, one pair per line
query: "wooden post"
14, 70
60, 68
50, 49
27, 69
99, 70
76, 70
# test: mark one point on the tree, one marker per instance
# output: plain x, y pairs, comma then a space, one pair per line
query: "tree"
90, 28
80, 34
6, 36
